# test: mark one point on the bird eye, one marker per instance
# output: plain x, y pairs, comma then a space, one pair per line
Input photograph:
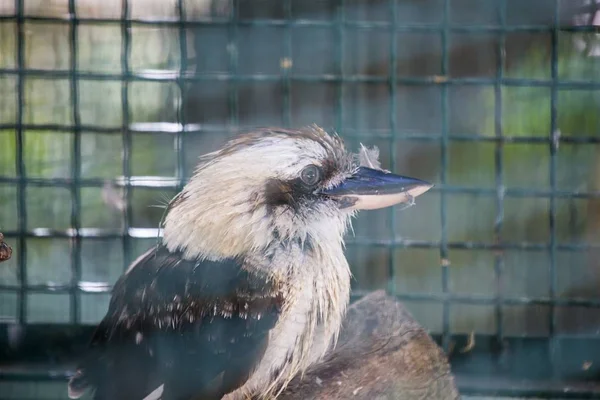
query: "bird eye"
311, 175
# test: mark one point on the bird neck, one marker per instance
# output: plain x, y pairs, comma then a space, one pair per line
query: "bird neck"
316, 281
314, 271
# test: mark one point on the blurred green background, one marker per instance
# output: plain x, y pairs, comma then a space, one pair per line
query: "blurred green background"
406, 121
361, 111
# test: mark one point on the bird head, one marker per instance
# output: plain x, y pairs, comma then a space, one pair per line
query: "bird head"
272, 185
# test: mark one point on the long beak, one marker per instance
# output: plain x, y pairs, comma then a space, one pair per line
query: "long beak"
370, 189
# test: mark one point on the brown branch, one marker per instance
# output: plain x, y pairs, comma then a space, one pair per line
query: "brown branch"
383, 353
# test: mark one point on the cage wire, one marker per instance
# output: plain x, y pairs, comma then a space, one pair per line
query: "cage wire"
526, 333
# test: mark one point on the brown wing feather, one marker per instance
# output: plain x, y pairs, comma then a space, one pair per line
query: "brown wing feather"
199, 327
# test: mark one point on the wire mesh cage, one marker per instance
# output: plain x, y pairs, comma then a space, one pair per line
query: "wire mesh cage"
105, 107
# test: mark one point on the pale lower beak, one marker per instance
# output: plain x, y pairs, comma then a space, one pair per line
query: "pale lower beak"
370, 189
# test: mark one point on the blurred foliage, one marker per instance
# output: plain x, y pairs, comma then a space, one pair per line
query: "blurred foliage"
48, 154
526, 113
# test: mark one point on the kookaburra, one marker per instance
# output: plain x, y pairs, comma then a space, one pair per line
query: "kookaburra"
249, 284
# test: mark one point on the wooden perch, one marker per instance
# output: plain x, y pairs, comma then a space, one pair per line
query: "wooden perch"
383, 353
5, 249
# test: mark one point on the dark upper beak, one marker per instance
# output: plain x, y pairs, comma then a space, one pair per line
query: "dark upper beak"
369, 189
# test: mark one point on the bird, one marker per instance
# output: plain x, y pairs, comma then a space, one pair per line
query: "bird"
248, 284
5, 249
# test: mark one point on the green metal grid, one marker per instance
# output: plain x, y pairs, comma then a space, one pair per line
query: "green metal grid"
342, 78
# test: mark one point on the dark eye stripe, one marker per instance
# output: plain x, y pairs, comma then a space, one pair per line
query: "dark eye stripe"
300, 190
